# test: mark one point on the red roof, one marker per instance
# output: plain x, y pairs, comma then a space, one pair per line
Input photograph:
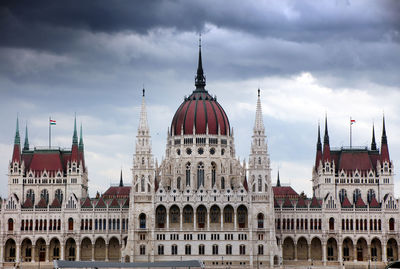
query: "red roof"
28, 203
352, 160
16, 153
49, 161
42, 203
200, 109
374, 203
56, 203
126, 203
346, 202
281, 192
87, 203
301, 203
287, 202
114, 204
276, 204
101, 203
315, 203
360, 202
117, 192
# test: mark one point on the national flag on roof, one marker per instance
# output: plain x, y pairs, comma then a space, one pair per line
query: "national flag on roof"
352, 121
52, 122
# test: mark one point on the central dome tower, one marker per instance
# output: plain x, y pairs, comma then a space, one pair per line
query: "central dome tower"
200, 113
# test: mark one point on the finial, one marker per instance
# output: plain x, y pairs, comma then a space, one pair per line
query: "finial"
278, 182
81, 139
326, 136
200, 81
143, 91
26, 144
200, 40
75, 136
373, 143
121, 183
258, 92
319, 146
384, 137
17, 139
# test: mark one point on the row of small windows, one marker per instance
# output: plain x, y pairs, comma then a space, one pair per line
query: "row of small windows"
200, 140
101, 224
360, 225
45, 181
215, 249
27, 225
301, 224
357, 180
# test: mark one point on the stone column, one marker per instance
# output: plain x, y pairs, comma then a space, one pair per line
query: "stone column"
93, 245
355, 252
18, 254
33, 253
235, 219
369, 252
106, 252
324, 253
384, 254
62, 249
181, 220
78, 252
167, 220
309, 252
1, 253
194, 220
208, 220
222, 221
295, 251
47, 259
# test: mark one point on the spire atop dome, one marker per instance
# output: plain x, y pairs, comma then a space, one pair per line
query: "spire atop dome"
17, 139
200, 81
26, 144
75, 136
259, 124
373, 143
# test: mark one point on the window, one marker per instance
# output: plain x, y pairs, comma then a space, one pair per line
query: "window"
70, 224
215, 249
59, 195
260, 220
142, 184
188, 174
228, 249
200, 175
160, 214
188, 250
31, 195
188, 214
213, 174
142, 249
370, 195
342, 195
201, 250
331, 224
10, 225
174, 250
228, 214
260, 250
178, 183
142, 221
160, 249
242, 249
391, 224
259, 184
201, 216
45, 195
356, 194
174, 211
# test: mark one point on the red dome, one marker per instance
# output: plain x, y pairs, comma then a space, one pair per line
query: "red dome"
200, 110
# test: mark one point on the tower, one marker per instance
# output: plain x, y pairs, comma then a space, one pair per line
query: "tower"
142, 192
261, 189
16, 167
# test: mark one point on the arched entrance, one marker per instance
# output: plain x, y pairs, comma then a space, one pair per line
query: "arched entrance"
100, 249
348, 249
70, 250
40, 250
26, 250
316, 249
331, 249
288, 249
9, 250
86, 250
114, 250
376, 249
362, 250
392, 250
54, 253
302, 249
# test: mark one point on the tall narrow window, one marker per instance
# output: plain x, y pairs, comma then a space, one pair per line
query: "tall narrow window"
200, 175
259, 184
31, 195
188, 174
213, 174
142, 186
178, 183
222, 183
45, 195
59, 195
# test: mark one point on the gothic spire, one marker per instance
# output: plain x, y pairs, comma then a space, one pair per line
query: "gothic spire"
26, 144
81, 139
384, 137
278, 182
143, 125
326, 136
17, 139
373, 143
327, 149
259, 124
319, 145
121, 182
384, 144
200, 81
75, 136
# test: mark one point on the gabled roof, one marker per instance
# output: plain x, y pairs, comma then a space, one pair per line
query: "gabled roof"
117, 192
301, 203
281, 192
287, 203
56, 203
360, 202
42, 203
315, 203
126, 203
28, 203
87, 203
276, 204
101, 203
374, 203
114, 204
346, 203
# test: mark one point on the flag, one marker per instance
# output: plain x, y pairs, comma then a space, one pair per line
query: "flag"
52, 122
352, 121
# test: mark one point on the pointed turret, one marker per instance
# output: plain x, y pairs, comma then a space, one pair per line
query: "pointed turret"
143, 124
200, 81
26, 143
318, 156
278, 182
259, 124
373, 143
384, 144
327, 149
121, 182
81, 140
74, 150
17, 145
75, 136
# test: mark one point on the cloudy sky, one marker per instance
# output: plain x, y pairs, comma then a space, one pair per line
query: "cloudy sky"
340, 57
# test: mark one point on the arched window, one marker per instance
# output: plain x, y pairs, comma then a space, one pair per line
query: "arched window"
391, 224
175, 215
142, 221
260, 220
259, 160
188, 214
242, 216
215, 214
10, 225
142, 250
259, 184
59, 195
260, 250
201, 216
356, 194
161, 216
45, 195
70, 224
188, 174
331, 224
213, 174
370, 195
342, 195
31, 195
178, 183
142, 185
200, 175
222, 183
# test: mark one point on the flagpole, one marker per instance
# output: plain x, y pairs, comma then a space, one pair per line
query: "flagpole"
49, 132
350, 131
